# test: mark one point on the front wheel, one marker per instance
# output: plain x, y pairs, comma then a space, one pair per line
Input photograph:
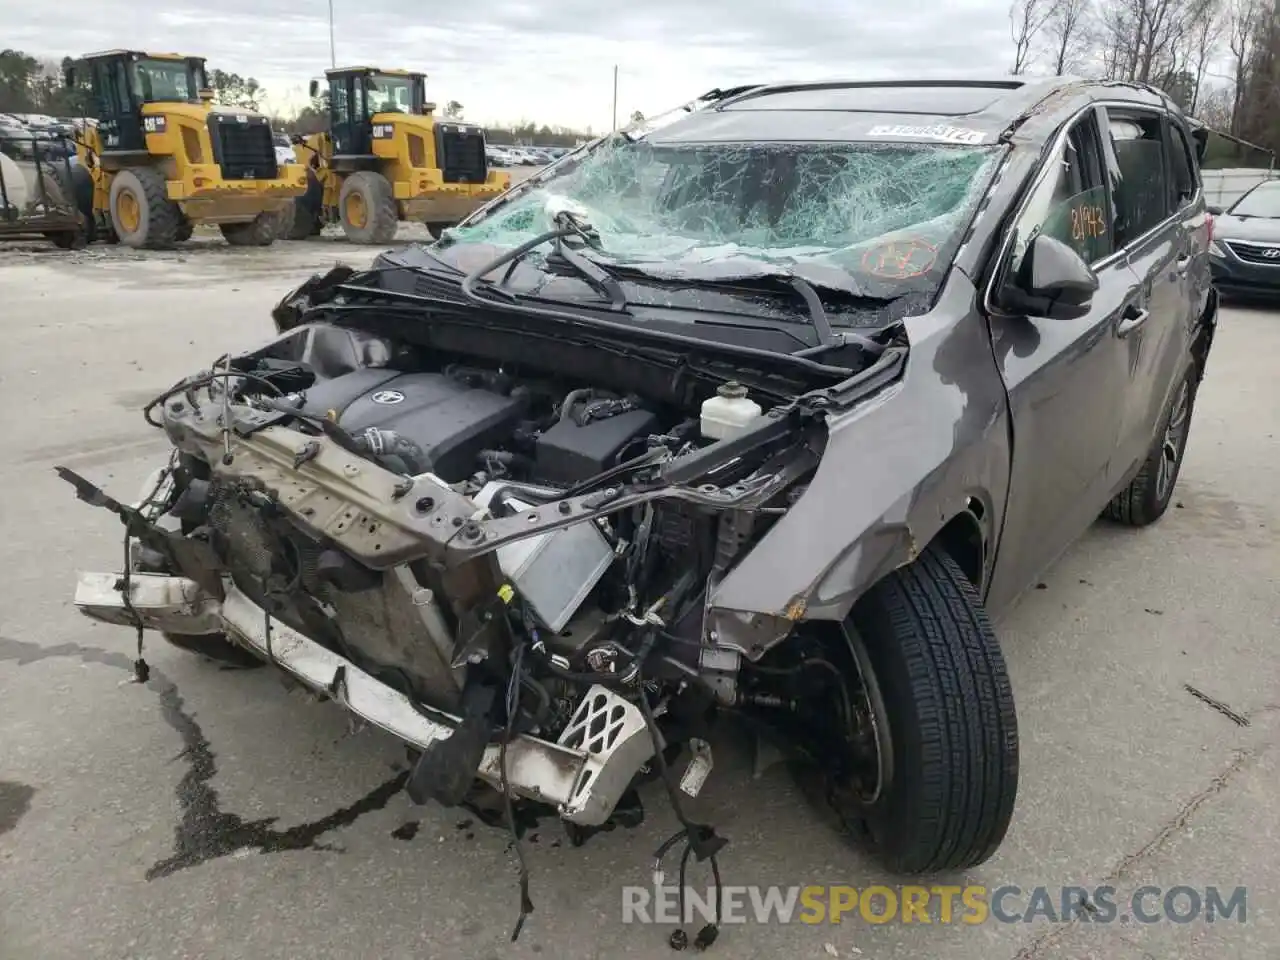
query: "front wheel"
942, 794
368, 207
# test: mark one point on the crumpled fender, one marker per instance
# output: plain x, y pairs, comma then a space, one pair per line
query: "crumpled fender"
896, 469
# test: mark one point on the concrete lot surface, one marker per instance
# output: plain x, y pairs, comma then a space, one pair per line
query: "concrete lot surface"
213, 814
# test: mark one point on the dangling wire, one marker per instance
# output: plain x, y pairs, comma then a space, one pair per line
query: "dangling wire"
141, 669
513, 707
700, 839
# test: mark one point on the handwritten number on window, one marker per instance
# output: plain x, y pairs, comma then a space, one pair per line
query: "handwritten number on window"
1087, 222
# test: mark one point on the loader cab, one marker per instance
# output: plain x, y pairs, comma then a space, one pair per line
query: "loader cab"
357, 94
116, 84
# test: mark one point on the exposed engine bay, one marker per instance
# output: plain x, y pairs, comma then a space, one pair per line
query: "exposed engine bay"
510, 568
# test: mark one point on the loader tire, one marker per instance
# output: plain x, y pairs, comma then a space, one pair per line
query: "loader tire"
368, 208
58, 194
939, 680
142, 215
216, 647
77, 192
303, 225
258, 232
185, 230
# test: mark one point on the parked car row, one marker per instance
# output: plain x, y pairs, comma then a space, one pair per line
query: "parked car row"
522, 156
22, 135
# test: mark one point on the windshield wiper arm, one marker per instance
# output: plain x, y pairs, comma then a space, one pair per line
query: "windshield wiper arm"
567, 226
817, 312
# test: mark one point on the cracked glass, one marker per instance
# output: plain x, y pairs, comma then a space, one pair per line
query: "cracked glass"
889, 216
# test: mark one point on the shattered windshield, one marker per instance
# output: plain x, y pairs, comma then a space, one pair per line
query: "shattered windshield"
889, 216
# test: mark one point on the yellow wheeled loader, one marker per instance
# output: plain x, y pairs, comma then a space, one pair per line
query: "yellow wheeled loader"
162, 157
386, 158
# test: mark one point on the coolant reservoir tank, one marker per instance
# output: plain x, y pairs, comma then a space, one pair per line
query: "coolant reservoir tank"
728, 412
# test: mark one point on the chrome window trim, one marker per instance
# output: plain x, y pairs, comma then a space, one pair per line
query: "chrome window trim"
1059, 145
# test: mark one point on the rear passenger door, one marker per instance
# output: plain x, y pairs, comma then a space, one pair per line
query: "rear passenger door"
1066, 379
1155, 198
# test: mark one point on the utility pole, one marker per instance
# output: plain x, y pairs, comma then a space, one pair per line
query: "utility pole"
333, 57
615, 94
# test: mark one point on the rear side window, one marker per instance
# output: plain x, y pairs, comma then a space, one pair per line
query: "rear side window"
1183, 166
1140, 182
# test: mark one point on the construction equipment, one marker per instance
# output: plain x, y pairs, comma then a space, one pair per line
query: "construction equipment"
386, 158
162, 157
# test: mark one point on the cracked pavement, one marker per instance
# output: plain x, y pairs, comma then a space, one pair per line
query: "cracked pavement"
213, 813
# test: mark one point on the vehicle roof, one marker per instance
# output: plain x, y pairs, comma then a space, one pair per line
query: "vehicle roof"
395, 73
969, 111
150, 54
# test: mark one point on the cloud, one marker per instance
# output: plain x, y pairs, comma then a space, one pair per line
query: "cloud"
551, 61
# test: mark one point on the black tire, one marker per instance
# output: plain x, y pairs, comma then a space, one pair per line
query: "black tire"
216, 647
303, 224
67, 239
258, 232
158, 217
62, 192
306, 210
368, 196
1148, 495
945, 693
185, 229
80, 191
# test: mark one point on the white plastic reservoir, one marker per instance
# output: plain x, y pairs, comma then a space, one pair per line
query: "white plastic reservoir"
728, 412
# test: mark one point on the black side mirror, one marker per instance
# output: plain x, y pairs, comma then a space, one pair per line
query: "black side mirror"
69, 77
296, 139
1216, 211
1053, 281
313, 90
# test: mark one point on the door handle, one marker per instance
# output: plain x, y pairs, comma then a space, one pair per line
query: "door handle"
1131, 319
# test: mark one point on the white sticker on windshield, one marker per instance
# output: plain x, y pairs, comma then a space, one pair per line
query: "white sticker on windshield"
939, 132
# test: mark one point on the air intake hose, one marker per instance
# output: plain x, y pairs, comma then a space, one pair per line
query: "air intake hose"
387, 443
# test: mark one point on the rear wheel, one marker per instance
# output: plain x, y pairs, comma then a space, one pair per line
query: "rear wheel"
368, 208
141, 213
940, 794
185, 229
1148, 495
258, 232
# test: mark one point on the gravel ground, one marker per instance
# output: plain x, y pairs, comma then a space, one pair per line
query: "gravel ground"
213, 814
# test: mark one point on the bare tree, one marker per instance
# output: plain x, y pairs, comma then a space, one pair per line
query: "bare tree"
1204, 42
1215, 107
1066, 33
1026, 19
1113, 34
1243, 20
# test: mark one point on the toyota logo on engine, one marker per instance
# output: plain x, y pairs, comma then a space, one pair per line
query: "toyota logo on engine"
388, 396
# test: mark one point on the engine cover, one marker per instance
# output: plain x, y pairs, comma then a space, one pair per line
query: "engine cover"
450, 421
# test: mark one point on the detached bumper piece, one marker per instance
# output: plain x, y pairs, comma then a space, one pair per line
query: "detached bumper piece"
583, 775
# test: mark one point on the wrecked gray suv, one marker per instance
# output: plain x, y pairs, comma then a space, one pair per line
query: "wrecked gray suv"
752, 413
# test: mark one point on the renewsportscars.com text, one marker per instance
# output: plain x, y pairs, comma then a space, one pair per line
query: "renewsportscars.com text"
970, 905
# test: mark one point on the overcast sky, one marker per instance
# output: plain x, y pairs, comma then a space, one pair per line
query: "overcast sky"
551, 60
